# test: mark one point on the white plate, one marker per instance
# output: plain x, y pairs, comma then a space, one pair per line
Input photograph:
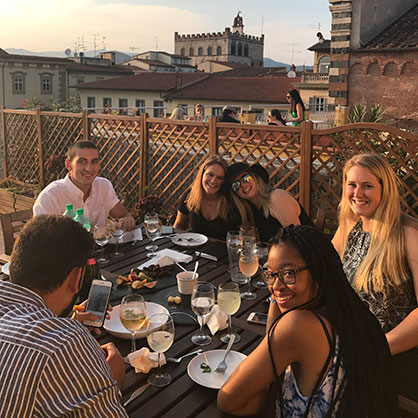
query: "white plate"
189, 239
128, 236
114, 326
213, 380
5, 268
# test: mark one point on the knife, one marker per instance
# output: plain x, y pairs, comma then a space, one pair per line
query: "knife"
204, 255
137, 393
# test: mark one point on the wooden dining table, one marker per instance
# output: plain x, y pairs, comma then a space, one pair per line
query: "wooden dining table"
182, 397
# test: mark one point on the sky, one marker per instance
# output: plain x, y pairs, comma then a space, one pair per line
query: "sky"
141, 25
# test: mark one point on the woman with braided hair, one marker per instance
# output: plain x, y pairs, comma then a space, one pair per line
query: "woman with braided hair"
323, 349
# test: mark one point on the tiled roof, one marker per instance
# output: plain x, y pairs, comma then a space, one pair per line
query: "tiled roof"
253, 72
147, 81
321, 46
18, 57
403, 33
114, 69
153, 62
249, 89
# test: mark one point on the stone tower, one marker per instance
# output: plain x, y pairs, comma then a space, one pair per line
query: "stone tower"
226, 46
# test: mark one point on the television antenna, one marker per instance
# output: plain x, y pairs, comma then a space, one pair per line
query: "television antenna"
133, 48
293, 51
316, 27
95, 35
156, 43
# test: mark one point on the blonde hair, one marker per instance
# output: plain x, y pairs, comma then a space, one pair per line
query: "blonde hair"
194, 200
178, 113
385, 264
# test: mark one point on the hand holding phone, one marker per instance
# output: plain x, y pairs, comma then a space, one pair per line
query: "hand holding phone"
97, 302
257, 318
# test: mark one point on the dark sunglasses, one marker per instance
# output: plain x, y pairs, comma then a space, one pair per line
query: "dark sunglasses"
236, 185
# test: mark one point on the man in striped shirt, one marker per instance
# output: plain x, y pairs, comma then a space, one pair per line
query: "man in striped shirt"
52, 366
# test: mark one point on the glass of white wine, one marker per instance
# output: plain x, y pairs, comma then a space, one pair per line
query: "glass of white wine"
153, 227
248, 264
133, 315
203, 301
229, 300
160, 337
101, 235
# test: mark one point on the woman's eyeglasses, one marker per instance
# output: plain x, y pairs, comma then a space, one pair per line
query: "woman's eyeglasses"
286, 276
236, 185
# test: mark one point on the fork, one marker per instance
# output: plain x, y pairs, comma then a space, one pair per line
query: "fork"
179, 359
222, 365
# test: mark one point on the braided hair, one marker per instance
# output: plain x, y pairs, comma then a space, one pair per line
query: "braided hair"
368, 389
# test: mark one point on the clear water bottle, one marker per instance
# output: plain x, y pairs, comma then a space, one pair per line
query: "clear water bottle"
69, 211
79, 217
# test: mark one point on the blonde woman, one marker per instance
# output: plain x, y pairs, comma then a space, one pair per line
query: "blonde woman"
268, 209
204, 208
378, 245
177, 114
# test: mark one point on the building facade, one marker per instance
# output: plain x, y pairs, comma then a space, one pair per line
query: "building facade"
228, 46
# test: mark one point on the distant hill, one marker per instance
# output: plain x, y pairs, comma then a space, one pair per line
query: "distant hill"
120, 56
268, 62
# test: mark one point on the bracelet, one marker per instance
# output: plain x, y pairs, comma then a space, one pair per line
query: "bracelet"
271, 300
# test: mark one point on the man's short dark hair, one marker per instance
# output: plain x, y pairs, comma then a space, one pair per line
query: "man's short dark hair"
46, 250
77, 146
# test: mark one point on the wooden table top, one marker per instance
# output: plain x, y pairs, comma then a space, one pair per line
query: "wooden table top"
182, 397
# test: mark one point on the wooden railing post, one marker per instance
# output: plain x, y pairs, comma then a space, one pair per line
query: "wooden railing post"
40, 150
213, 137
4, 132
306, 166
143, 153
85, 124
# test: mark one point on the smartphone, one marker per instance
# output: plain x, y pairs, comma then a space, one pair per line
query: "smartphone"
98, 300
257, 318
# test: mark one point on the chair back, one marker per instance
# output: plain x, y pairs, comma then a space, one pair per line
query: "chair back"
327, 221
11, 225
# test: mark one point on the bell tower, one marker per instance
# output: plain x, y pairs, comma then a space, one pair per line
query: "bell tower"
238, 25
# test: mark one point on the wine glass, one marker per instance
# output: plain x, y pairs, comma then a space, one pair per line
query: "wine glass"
160, 337
229, 301
247, 234
153, 229
133, 315
262, 251
203, 301
118, 231
148, 216
101, 235
248, 264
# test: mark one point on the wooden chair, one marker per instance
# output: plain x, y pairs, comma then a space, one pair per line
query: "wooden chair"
11, 225
327, 221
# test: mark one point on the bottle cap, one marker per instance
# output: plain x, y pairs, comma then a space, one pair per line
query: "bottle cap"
91, 261
80, 211
69, 206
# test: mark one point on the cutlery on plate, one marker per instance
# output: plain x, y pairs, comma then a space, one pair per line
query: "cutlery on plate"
179, 359
222, 365
137, 393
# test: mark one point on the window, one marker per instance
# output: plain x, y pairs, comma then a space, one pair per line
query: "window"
323, 64
123, 102
216, 111
158, 108
107, 102
218, 50
46, 84
183, 52
191, 52
140, 106
318, 104
209, 51
240, 49
200, 51
91, 102
233, 48
246, 50
18, 82
80, 80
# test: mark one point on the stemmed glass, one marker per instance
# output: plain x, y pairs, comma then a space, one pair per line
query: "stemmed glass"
133, 315
248, 264
118, 231
153, 229
229, 301
262, 251
101, 235
203, 301
149, 216
160, 337
247, 234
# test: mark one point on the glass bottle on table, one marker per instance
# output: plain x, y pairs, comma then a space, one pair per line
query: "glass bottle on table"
229, 301
133, 315
91, 273
248, 264
203, 301
160, 337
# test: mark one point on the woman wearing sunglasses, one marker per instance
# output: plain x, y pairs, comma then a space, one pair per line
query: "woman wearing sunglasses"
297, 108
275, 118
260, 205
203, 208
324, 354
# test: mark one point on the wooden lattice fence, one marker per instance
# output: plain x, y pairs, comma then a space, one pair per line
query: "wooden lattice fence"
143, 155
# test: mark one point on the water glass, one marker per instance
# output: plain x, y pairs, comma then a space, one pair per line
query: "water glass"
153, 228
229, 301
203, 301
233, 245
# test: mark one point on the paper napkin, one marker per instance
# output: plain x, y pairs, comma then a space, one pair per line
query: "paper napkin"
166, 257
143, 360
216, 321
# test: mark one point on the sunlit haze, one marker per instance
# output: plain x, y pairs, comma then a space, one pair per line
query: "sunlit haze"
134, 26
